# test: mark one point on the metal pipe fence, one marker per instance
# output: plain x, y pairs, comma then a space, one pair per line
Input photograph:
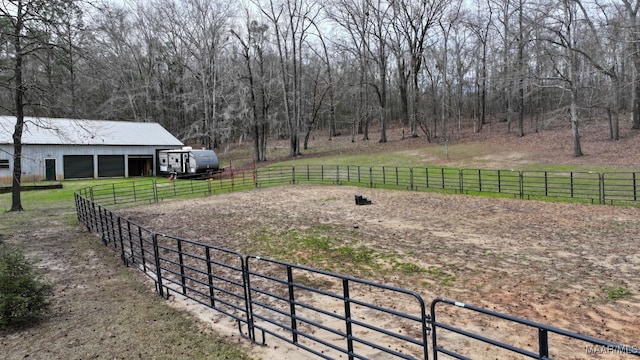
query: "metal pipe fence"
581, 186
327, 314
590, 187
342, 317
539, 349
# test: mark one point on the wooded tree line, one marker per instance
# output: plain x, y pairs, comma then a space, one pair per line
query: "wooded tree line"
212, 71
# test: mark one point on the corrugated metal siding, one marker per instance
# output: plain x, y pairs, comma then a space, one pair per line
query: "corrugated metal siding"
33, 157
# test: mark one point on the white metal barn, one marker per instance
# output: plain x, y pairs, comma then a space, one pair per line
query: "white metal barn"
56, 149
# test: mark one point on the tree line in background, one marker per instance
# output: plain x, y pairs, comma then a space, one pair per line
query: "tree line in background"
212, 71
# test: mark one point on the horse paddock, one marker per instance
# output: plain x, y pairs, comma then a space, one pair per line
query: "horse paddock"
572, 266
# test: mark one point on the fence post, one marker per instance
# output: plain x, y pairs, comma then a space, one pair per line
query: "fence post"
255, 176
133, 258
426, 175
347, 317
292, 306
156, 255
212, 298
183, 280
521, 181
543, 344
155, 191
337, 174
635, 190
122, 256
546, 184
142, 254
571, 182
94, 219
601, 187
411, 178
101, 222
113, 191
370, 176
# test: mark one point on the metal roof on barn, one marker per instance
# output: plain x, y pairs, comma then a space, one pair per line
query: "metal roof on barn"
50, 131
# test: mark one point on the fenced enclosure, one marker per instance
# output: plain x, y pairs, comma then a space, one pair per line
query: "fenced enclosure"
590, 187
326, 314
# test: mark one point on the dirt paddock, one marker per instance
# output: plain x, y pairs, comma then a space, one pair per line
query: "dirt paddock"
572, 266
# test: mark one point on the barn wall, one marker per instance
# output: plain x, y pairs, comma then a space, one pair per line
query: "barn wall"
34, 158
6, 153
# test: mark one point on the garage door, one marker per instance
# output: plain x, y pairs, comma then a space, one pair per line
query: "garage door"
110, 165
78, 166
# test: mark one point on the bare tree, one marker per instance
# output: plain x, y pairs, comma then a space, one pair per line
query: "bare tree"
353, 17
28, 26
631, 8
330, 81
522, 42
206, 24
292, 21
603, 59
446, 25
480, 27
504, 18
563, 29
252, 49
380, 13
464, 54
414, 21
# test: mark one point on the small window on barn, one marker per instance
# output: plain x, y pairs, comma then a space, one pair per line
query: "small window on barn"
4, 163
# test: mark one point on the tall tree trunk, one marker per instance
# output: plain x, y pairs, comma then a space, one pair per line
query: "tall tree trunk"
615, 100
16, 201
573, 78
577, 149
632, 8
483, 89
521, 67
636, 98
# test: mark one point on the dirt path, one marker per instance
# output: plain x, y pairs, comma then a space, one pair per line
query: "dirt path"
554, 263
101, 309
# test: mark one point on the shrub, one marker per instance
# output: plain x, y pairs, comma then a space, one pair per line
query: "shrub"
24, 296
